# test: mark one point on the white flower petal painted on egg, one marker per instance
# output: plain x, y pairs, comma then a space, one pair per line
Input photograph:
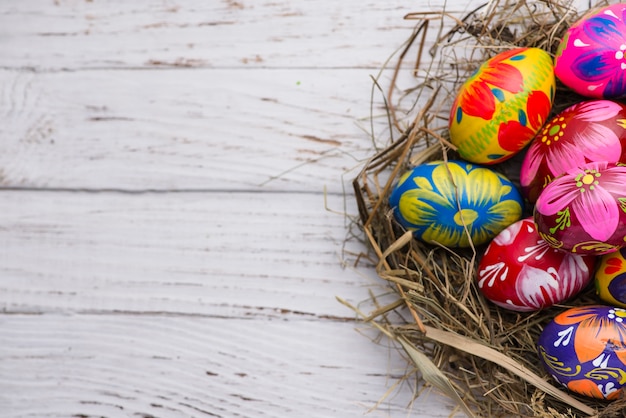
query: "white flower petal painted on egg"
537, 288
579, 43
508, 235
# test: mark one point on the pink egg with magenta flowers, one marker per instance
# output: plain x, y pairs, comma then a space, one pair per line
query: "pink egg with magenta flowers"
584, 210
592, 130
521, 272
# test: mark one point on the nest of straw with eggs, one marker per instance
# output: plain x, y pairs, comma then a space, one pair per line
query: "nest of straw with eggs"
482, 356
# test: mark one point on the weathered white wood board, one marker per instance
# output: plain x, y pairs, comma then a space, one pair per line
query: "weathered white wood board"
193, 95
268, 255
175, 304
183, 129
79, 34
165, 246
163, 366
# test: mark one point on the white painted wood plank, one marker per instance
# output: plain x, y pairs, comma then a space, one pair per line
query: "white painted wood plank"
186, 304
237, 255
71, 34
160, 366
185, 129
285, 126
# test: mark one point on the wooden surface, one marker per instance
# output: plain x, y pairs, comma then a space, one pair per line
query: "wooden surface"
175, 209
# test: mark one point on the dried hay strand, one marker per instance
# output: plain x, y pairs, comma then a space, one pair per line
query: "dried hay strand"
480, 355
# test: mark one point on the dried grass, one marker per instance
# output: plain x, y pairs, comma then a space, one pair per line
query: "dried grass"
482, 356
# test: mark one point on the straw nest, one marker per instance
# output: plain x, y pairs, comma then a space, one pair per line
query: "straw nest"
482, 356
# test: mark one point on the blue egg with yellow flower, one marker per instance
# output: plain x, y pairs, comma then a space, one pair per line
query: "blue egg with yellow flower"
455, 203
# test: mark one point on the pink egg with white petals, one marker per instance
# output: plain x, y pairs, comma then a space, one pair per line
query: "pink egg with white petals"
521, 272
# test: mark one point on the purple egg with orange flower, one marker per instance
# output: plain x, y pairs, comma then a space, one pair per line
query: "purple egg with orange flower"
591, 130
591, 57
584, 210
503, 105
584, 349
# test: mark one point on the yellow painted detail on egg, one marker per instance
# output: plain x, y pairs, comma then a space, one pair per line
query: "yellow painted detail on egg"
498, 110
610, 279
465, 217
422, 183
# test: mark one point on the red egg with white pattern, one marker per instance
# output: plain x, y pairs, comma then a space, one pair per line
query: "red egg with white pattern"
521, 272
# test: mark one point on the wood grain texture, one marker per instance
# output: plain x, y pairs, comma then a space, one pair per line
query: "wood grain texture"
78, 34
161, 366
236, 255
168, 305
184, 129
166, 246
110, 95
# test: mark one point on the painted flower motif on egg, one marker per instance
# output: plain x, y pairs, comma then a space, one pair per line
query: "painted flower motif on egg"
593, 130
501, 107
584, 210
610, 278
443, 202
584, 349
590, 59
522, 272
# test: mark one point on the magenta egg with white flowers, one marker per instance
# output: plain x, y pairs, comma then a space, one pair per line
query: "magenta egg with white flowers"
520, 271
591, 59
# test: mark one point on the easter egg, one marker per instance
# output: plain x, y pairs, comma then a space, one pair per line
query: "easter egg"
521, 272
584, 349
610, 278
500, 108
455, 203
584, 210
593, 130
590, 58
